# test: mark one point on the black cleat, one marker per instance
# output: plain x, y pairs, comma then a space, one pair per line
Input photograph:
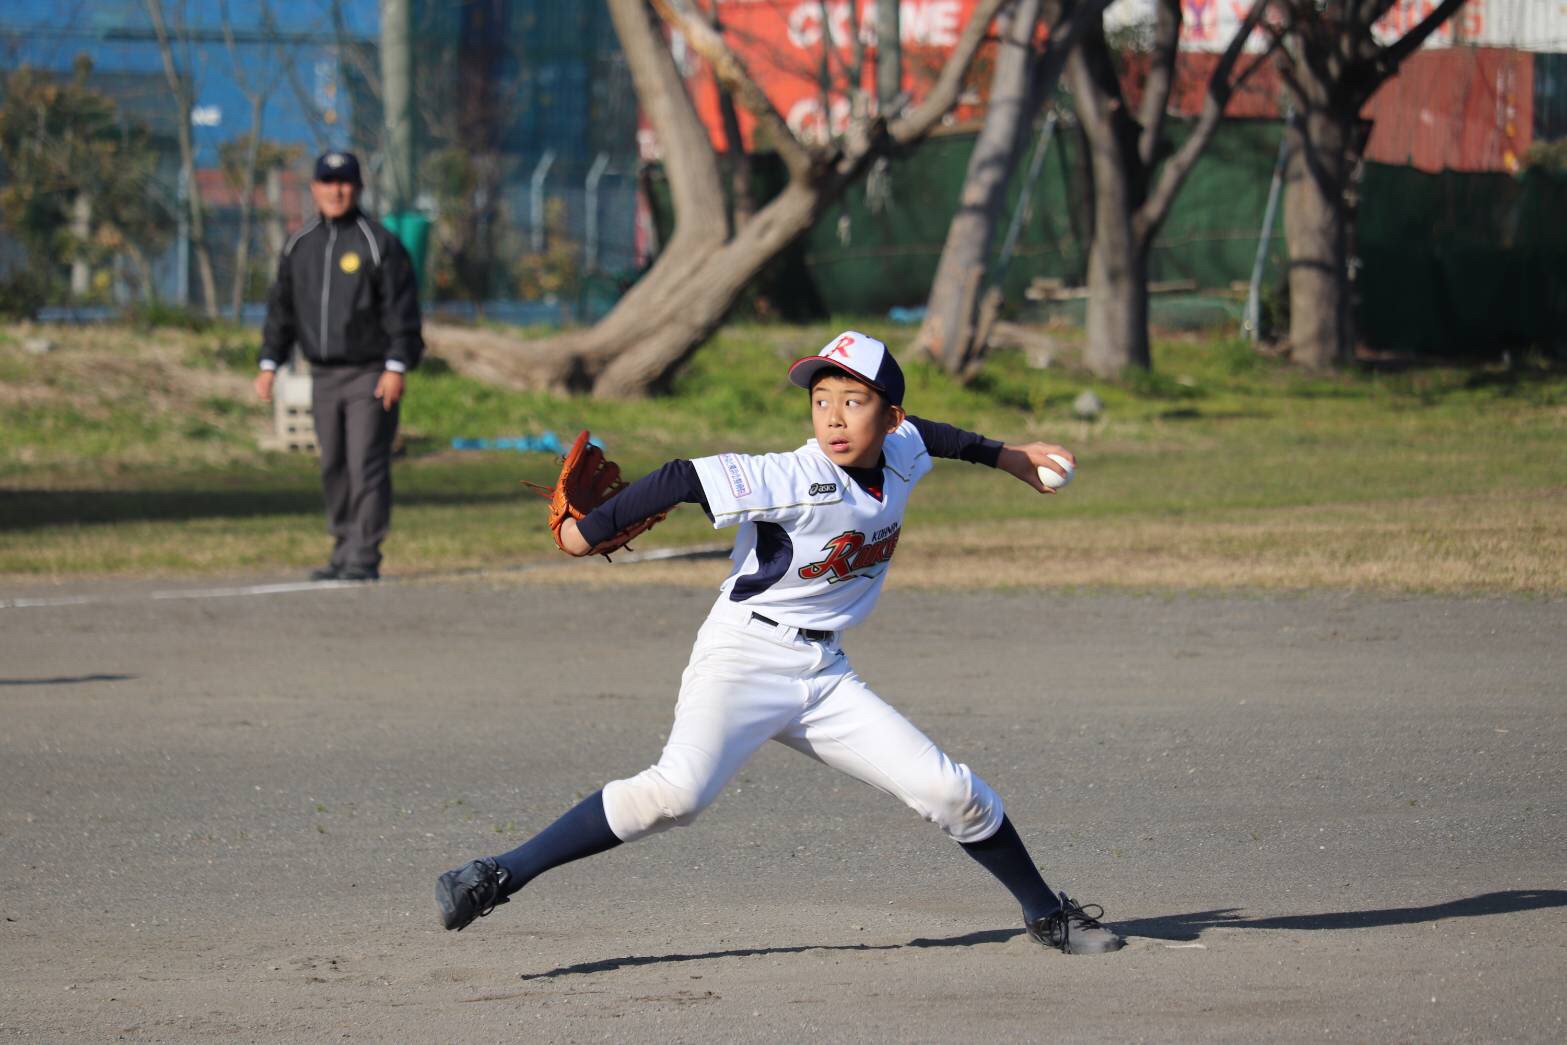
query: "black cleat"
326, 573
1070, 929
358, 573
469, 892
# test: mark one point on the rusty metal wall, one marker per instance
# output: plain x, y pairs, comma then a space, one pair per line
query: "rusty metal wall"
1458, 108
1450, 108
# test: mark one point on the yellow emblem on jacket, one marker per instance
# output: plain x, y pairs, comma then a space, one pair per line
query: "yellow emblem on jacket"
349, 262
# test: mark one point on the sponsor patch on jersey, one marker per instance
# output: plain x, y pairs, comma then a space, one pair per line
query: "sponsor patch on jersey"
817, 488
349, 262
734, 471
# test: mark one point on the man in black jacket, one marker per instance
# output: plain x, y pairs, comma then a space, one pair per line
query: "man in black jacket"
345, 293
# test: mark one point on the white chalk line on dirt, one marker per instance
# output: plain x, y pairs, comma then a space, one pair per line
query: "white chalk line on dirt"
26, 603
290, 587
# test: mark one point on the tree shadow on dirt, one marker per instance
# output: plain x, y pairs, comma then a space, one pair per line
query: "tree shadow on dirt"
1181, 927
1187, 927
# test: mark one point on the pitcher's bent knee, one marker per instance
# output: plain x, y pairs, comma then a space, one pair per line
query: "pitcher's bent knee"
966, 808
647, 803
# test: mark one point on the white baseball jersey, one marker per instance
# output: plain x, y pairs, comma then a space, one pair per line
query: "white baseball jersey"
814, 546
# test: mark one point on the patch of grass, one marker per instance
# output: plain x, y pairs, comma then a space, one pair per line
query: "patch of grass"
236, 352
122, 454
154, 315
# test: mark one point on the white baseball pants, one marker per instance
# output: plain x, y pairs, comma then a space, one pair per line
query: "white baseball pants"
749, 682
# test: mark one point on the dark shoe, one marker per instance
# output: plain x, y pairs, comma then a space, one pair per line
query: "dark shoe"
469, 892
326, 573
1072, 930
358, 573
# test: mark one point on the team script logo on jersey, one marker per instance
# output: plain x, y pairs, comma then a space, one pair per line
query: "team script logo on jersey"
850, 555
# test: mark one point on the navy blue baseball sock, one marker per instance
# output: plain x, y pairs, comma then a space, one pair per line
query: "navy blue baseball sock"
1003, 855
581, 831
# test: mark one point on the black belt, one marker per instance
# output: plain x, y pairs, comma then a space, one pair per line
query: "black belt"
811, 633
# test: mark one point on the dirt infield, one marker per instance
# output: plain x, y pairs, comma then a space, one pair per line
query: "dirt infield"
1316, 816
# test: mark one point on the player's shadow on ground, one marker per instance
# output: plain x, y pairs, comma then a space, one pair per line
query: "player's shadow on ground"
65, 680
631, 961
1182, 927
1187, 927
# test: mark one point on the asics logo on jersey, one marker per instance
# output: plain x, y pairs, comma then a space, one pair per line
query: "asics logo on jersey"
817, 488
849, 555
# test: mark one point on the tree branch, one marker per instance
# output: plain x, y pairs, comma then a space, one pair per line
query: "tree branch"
732, 73
856, 75
695, 182
1161, 78
917, 122
1220, 90
1285, 62
177, 85
1320, 50
1392, 56
1368, 11
1072, 21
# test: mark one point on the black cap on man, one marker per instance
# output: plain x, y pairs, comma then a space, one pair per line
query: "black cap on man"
338, 166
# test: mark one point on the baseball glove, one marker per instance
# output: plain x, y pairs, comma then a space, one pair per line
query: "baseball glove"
588, 479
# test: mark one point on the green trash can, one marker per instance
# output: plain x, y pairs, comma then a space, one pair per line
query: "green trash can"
413, 230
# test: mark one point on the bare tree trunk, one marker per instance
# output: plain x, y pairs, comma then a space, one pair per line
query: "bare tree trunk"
889, 53
1136, 178
149, 288
81, 233
246, 207
1316, 225
1332, 65
741, 202
952, 312
183, 95
275, 237
1117, 320
257, 95
397, 107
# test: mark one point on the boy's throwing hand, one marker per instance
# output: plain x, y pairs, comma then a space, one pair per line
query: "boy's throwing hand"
1026, 460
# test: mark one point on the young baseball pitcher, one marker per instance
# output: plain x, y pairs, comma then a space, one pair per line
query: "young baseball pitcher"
817, 530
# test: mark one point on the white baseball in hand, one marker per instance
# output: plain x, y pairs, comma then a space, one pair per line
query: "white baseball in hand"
1053, 481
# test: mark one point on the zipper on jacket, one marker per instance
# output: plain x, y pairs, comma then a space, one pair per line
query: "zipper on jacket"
326, 285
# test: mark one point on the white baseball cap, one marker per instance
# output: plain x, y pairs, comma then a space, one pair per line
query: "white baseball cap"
858, 355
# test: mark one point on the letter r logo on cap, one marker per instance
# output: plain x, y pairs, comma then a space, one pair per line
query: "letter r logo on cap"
840, 347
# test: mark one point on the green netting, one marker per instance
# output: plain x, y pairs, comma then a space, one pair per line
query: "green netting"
1458, 263
878, 246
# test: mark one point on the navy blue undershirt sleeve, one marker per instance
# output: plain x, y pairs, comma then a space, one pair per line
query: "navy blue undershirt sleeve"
674, 483
955, 444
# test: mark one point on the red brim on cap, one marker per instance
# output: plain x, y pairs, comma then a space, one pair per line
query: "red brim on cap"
802, 373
